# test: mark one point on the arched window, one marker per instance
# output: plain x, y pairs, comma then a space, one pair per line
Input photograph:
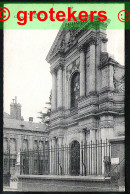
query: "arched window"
75, 89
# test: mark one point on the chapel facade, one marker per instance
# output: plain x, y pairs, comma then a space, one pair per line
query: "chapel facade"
87, 88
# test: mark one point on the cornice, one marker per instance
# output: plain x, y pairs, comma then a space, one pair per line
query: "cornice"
60, 62
24, 130
87, 40
76, 28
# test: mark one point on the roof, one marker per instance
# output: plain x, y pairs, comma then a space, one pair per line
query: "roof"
6, 115
24, 125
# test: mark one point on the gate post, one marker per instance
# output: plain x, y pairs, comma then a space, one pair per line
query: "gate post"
118, 154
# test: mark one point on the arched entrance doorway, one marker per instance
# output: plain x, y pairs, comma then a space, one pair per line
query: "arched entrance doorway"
75, 158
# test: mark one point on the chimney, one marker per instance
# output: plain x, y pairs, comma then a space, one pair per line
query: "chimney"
30, 119
15, 110
15, 99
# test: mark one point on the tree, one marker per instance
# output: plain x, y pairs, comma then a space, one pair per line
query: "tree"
45, 115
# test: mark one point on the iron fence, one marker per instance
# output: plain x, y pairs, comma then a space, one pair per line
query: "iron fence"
9, 161
34, 161
88, 158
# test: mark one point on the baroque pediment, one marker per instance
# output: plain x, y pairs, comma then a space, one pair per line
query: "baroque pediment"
64, 40
68, 34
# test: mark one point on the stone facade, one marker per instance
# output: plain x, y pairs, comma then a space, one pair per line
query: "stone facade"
99, 112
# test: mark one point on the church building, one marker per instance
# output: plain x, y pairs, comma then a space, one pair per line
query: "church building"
87, 92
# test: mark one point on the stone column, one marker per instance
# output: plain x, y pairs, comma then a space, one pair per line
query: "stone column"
98, 71
92, 67
54, 91
82, 72
60, 87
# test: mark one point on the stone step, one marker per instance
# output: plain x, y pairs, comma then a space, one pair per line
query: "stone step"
65, 183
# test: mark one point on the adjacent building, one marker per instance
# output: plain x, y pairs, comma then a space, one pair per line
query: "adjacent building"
20, 135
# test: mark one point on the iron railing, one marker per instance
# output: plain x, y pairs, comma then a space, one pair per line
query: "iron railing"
89, 158
9, 161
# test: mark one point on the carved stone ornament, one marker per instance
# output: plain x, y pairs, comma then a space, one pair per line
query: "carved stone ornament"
62, 45
119, 85
104, 58
71, 68
67, 40
67, 37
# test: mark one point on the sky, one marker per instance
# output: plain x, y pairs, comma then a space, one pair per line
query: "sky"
26, 72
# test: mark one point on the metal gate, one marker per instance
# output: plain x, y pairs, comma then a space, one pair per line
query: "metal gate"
75, 158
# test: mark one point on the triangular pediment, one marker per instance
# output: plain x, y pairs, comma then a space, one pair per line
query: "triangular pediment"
63, 41
68, 33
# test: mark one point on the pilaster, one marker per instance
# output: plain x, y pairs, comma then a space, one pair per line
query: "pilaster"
92, 67
60, 87
54, 90
82, 71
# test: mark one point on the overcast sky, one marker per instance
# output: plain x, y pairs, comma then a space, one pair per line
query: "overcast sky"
26, 72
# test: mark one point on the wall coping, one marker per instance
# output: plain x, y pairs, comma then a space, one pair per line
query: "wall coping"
99, 178
117, 139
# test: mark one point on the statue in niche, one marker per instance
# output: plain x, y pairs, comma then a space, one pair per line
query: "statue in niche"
119, 85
